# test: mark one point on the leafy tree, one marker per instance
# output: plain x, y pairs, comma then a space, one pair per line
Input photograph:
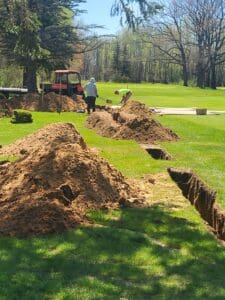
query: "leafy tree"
38, 34
206, 20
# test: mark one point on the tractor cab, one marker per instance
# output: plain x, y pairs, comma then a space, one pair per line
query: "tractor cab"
67, 82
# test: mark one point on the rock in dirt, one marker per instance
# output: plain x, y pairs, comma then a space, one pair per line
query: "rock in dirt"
56, 180
136, 125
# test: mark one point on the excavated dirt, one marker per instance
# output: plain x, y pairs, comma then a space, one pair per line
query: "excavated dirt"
137, 108
50, 102
202, 198
131, 121
56, 180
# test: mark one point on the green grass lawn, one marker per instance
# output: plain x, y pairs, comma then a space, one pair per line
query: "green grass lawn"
159, 95
162, 252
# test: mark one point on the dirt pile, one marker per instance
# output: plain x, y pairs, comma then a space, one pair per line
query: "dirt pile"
137, 108
50, 102
54, 182
137, 125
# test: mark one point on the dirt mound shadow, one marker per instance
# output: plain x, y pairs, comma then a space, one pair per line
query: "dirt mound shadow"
50, 102
55, 182
131, 121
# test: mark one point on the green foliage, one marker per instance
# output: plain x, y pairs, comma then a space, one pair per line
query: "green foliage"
11, 75
39, 34
21, 117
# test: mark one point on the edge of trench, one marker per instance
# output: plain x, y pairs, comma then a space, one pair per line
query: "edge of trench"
202, 197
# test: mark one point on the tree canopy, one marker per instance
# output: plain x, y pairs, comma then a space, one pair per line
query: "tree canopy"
38, 34
134, 12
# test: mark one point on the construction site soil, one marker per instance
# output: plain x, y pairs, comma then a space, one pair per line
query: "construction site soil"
50, 102
55, 181
132, 121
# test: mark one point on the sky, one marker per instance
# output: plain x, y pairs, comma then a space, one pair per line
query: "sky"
98, 12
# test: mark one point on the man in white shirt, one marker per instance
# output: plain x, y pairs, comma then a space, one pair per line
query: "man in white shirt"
91, 94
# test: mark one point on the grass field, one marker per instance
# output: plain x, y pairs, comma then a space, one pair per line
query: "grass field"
163, 252
159, 95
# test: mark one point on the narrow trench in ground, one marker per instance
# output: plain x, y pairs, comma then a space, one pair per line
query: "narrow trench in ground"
156, 152
202, 197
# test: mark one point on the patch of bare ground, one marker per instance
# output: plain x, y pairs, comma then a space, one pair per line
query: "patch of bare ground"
56, 180
159, 189
50, 102
131, 121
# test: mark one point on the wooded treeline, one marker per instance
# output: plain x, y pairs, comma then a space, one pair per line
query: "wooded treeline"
185, 42
169, 41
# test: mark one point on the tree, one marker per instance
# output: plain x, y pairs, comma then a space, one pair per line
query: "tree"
206, 20
134, 12
38, 34
169, 34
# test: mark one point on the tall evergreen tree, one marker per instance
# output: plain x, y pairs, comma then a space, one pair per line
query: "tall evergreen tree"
38, 34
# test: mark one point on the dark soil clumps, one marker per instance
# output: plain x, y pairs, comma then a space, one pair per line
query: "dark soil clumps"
56, 180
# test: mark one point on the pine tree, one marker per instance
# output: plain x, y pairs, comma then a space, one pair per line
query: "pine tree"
38, 34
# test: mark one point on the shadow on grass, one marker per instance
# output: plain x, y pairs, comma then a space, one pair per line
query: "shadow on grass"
134, 254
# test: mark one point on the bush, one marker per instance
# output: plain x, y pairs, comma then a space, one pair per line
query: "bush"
21, 117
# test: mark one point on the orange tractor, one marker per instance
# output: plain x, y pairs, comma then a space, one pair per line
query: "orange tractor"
67, 82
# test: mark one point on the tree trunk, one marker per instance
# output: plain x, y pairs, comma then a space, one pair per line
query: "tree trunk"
30, 78
200, 76
208, 77
213, 76
184, 66
200, 68
185, 75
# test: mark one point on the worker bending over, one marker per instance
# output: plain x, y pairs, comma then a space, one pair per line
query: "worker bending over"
126, 94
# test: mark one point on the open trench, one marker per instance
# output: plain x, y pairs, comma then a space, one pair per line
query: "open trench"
202, 197
156, 151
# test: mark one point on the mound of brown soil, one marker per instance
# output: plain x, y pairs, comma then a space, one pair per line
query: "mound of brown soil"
54, 183
123, 125
137, 108
50, 102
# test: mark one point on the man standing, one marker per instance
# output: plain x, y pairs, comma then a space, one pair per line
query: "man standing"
91, 94
126, 94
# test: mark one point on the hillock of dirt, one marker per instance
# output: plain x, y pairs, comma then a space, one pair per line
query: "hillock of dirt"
131, 121
50, 102
55, 181
137, 108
